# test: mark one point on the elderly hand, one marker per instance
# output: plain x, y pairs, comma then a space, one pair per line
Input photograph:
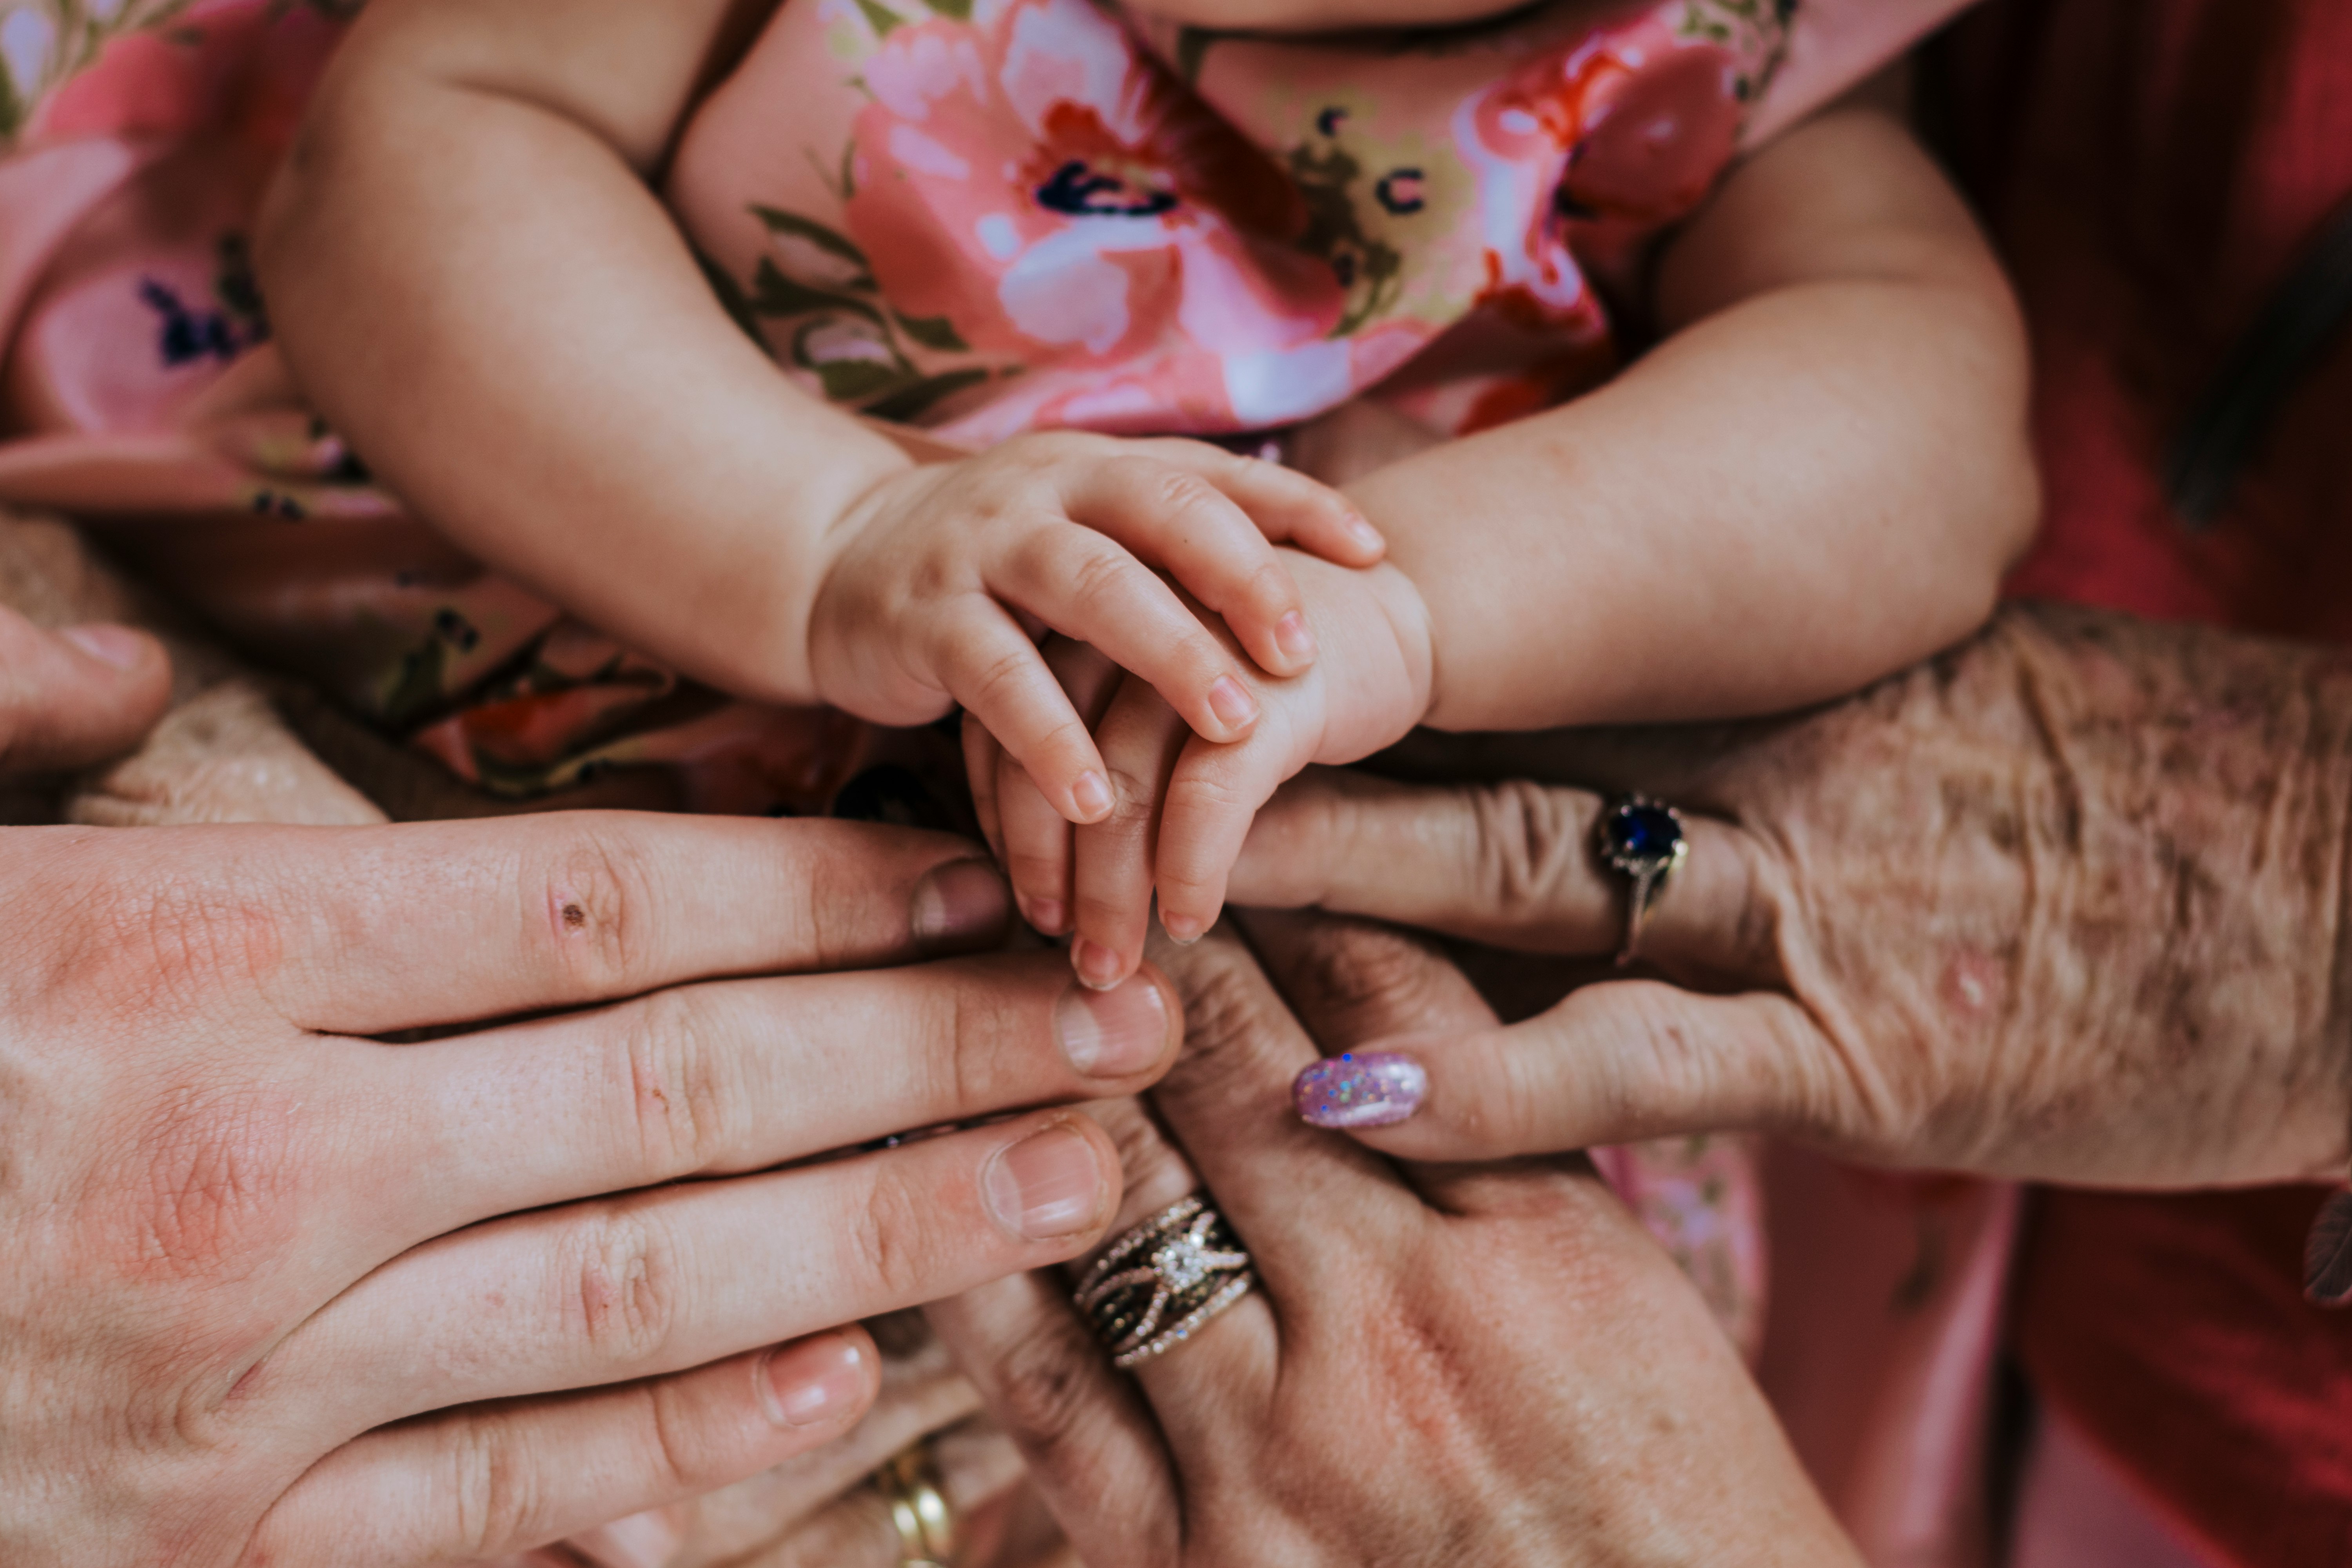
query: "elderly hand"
73, 697
1456, 1364
279, 1289
2066, 903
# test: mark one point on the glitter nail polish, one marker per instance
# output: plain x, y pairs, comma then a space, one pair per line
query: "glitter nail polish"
1360, 1088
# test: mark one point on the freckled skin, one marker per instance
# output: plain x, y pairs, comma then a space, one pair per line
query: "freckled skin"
2068, 901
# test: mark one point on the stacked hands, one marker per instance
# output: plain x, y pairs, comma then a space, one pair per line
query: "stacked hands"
1185, 679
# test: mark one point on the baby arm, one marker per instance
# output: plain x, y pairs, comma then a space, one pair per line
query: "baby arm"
540, 370
1819, 475
1817, 479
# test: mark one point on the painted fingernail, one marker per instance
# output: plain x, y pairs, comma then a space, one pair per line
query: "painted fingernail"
1097, 965
813, 1381
1292, 636
960, 904
1360, 1088
1047, 1185
1092, 796
1113, 1033
1049, 917
1182, 929
118, 646
1232, 703
1362, 530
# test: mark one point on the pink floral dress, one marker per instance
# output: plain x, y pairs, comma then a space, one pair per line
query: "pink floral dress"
980, 217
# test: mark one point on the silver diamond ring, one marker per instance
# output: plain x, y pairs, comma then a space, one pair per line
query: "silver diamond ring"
1162, 1280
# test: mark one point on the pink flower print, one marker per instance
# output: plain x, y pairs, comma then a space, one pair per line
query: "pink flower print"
1038, 181
243, 68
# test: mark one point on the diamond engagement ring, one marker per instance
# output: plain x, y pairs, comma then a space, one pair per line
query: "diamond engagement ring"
1643, 841
1162, 1280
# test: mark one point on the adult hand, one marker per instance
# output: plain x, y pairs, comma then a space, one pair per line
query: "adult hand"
278, 1290
1441, 1365
2067, 903
77, 696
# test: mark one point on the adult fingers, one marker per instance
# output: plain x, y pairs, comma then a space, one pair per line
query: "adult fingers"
1511, 864
1613, 1063
493, 1479
1086, 586
1092, 1446
656, 1281
1227, 1102
738, 1075
466, 920
1111, 882
977, 1467
71, 698
988, 663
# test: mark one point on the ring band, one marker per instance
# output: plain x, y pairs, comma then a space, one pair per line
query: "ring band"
1642, 840
909, 1484
1162, 1280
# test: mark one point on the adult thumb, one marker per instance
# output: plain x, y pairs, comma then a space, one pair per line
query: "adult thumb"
1612, 1063
78, 696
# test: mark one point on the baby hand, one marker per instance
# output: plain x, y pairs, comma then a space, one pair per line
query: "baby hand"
1184, 802
946, 575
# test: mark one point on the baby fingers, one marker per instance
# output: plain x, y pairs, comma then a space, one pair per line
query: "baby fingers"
1141, 738
1211, 796
988, 663
1211, 519
1088, 588
1031, 839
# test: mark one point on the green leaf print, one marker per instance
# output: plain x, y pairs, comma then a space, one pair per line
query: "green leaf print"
773, 294
856, 380
732, 298
421, 686
879, 17
933, 332
833, 243
911, 402
953, 10
12, 106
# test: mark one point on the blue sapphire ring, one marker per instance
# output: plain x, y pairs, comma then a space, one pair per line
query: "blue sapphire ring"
1643, 841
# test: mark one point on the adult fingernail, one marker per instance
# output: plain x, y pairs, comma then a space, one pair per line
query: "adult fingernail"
1092, 796
960, 904
1045, 1186
1360, 1088
1232, 703
118, 646
816, 1381
1113, 1033
1291, 634
1049, 916
1097, 966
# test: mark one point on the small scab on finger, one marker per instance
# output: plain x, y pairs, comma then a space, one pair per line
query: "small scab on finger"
573, 915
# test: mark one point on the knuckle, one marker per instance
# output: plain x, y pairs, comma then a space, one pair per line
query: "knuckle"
1526, 847
680, 1103
1348, 967
1225, 999
492, 1486
888, 1238
594, 897
623, 1279
1042, 1388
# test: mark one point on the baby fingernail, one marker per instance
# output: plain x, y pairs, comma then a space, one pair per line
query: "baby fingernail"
817, 1380
1113, 1033
1047, 1185
1048, 916
1092, 796
1290, 634
960, 904
1360, 1088
1360, 529
1182, 929
1097, 965
1232, 703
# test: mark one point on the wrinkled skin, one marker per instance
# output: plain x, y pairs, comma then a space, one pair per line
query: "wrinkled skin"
2067, 903
1440, 1365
